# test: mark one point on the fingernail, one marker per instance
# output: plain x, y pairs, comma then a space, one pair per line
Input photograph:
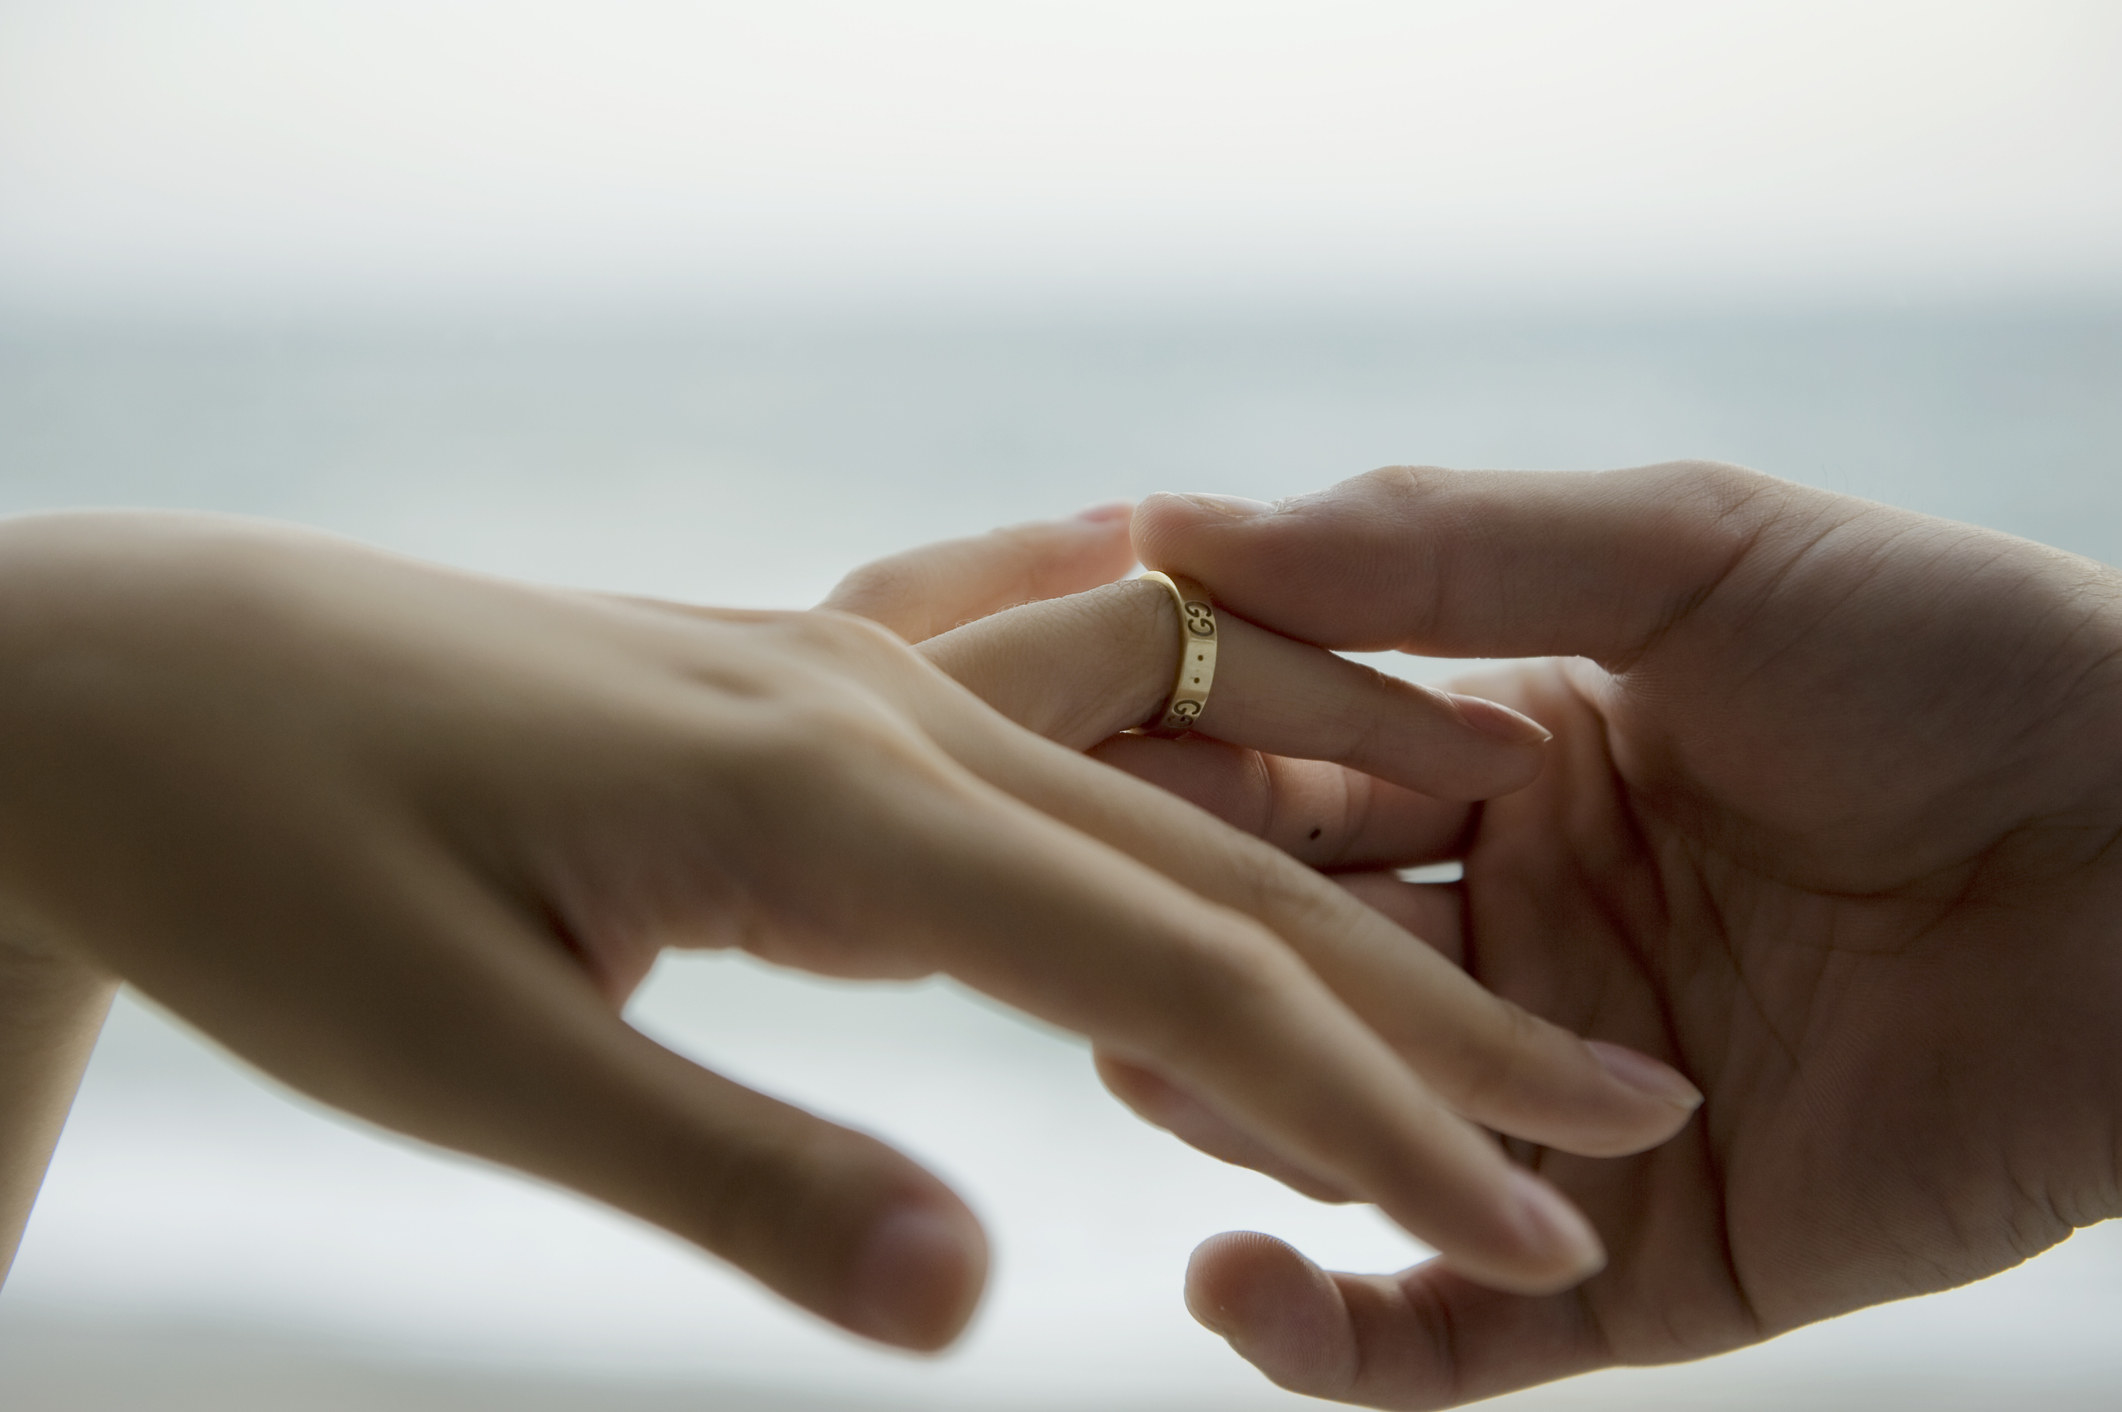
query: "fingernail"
1646, 1075
909, 1283
1500, 722
1111, 510
1554, 1227
1237, 507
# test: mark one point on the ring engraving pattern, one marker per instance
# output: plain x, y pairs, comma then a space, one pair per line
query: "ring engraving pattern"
1188, 699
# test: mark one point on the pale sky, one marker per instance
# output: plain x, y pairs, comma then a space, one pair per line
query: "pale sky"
222, 151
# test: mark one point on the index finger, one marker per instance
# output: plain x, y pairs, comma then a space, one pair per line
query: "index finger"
1473, 563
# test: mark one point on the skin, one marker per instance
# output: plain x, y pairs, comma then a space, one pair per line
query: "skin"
1832, 822
407, 838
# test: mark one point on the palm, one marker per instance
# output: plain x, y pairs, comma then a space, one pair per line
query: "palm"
1859, 895
1836, 828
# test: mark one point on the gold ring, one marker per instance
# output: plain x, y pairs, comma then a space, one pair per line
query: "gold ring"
1182, 710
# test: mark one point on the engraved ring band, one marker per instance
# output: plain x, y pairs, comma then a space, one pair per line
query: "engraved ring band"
1182, 710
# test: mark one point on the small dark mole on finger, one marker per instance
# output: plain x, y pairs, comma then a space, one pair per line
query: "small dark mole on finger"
1317, 832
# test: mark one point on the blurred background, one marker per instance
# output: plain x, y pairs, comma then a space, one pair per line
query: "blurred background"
716, 301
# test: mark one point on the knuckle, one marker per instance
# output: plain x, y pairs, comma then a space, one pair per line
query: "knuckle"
1403, 482
826, 713
808, 752
1360, 718
1259, 796
810, 792
1708, 520
1139, 614
1121, 642
883, 584
1291, 898
1134, 611
844, 636
845, 645
1721, 477
1715, 496
1217, 992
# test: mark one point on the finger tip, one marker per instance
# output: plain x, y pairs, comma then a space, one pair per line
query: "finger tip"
918, 1276
1275, 1308
1107, 515
1106, 533
1531, 1240
1228, 1275
1101, 538
1650, 1078
1557, 1247
1499, 723
1163, 504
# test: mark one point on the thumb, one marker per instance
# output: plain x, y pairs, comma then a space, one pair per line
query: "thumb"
1471, 563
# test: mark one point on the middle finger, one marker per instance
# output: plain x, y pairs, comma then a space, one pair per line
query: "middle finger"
1494, 1062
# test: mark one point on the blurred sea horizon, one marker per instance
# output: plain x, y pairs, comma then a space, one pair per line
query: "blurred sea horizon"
622, 446
198, 1225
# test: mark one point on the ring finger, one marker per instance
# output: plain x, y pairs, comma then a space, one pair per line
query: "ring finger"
1078, 669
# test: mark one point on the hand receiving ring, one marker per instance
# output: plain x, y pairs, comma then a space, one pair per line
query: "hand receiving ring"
1182, 709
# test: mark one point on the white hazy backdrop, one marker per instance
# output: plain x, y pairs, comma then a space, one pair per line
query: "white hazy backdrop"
716, 301
412, 150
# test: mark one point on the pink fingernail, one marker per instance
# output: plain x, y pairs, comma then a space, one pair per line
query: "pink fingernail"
1646, 1075
1554, 1227
1111, 510
1236, 507
1500, 722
